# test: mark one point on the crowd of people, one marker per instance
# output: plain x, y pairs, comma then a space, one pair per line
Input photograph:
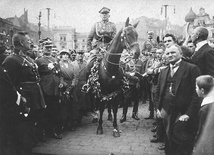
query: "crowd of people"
42, 90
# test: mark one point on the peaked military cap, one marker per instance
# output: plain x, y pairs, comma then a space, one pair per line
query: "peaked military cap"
81, 51
104, 10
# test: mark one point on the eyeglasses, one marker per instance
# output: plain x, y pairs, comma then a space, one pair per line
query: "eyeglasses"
167, 41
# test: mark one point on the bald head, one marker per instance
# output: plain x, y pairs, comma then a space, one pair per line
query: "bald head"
199, 34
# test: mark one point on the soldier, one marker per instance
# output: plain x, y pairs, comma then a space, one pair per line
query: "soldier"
23, 74
49, 72
149, 44
103, 32
133, 68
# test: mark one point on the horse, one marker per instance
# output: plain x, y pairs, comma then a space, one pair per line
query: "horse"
110, 74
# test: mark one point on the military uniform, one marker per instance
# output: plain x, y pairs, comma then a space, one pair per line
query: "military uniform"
103, 32
49, 72
149, 45
23, 74
132, 94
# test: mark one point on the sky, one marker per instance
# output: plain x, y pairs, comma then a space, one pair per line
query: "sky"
82, 14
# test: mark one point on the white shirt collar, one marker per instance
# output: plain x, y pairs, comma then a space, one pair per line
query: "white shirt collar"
209, 98
200, 44
176, 63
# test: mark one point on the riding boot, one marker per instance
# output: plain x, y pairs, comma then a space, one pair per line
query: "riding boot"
123, 118
134, 116
151, 115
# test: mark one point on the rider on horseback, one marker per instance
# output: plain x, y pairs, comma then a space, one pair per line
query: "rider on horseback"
103, 32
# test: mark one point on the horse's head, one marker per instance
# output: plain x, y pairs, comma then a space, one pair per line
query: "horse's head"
129, 38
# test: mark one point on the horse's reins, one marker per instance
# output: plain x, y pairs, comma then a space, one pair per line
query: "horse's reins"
127, 47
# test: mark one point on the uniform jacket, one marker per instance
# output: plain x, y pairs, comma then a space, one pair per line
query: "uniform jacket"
102, 32
186, 99
131, 67
148, 45
49, 77
24, 75
204, 59
8, 97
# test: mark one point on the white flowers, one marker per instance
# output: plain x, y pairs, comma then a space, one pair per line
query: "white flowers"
50, 66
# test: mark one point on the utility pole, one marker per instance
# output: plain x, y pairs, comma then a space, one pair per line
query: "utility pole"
166, 16
39, 24
48, 19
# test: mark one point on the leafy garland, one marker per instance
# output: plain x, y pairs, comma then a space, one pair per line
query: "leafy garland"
94, 85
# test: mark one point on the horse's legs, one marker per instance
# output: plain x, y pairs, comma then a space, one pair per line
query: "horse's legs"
109, 112
100, 128
116, 132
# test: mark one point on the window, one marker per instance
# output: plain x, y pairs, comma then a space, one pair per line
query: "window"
63, 37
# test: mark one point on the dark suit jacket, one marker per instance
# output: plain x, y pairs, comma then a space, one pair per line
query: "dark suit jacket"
206, 139
186, 99
204, 59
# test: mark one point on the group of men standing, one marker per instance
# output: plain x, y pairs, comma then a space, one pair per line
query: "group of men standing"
30, 90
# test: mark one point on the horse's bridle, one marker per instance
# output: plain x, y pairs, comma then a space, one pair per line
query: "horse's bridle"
124, 38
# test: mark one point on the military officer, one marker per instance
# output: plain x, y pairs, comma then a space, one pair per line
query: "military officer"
48, 67
149, 44
103, 32
23, 74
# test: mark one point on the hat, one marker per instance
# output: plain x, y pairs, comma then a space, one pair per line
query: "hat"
150, 32
64, 51
48, 43
183, 132
104, 10
81, 51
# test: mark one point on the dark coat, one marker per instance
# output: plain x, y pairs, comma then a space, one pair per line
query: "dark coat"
206, 140
186, 99
49, 78
24, 75
204, 59
81, 78
8, 97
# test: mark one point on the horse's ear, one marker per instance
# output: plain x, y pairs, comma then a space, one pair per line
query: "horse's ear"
127, 22
135, 25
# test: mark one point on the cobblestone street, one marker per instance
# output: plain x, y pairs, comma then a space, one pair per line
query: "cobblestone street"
134, 139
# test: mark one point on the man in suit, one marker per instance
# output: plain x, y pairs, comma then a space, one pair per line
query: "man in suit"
176, 96
80, 70
204, 54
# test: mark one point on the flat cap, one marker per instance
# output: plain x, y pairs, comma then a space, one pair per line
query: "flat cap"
104, 10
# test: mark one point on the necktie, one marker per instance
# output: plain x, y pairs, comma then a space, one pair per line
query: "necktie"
172, 72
